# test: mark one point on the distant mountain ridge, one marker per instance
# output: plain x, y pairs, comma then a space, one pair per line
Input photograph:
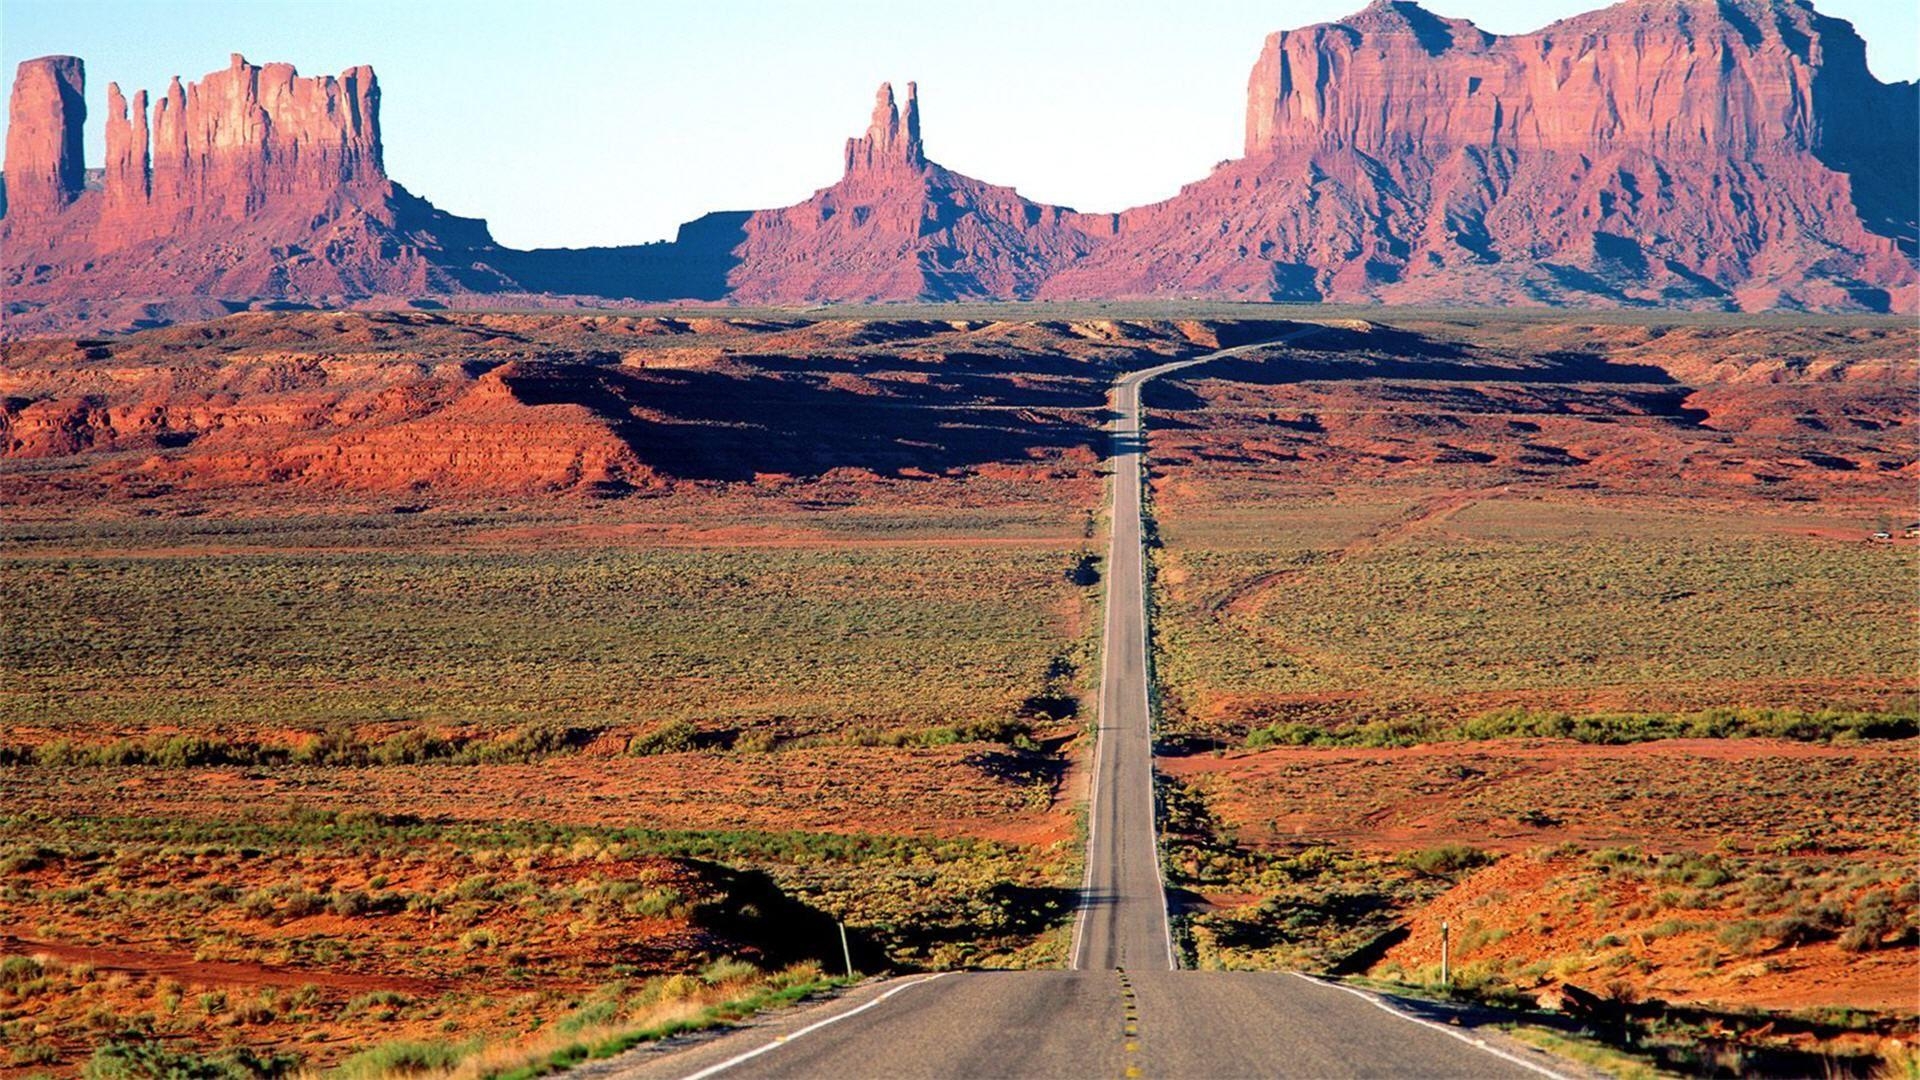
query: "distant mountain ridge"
1684, 153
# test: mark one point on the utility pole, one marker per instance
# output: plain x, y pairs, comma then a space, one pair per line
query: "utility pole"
1446, 959
846, 954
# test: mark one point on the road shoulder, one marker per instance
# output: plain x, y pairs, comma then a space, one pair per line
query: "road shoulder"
683, 1055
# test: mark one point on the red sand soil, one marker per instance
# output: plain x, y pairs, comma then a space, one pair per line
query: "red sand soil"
1680, 794
930, 792
1533, 901
193, 972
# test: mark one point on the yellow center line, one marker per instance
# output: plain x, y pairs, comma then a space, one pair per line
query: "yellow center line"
1130, 1029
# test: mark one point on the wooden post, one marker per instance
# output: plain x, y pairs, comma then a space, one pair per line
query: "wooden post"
1446, 959
846, 954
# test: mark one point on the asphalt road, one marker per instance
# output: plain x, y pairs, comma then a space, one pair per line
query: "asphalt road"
1087, 1024
1123, 902
1123, 1010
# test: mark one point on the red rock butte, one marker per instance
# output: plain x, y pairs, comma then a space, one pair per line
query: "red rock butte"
1708, 154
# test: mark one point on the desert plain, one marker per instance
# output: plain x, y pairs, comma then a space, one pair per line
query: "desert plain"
331, 742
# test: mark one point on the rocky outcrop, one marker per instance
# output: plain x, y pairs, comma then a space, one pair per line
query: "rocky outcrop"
45, 119
898, 226
1666, 76
443, 405
892, 141
1658, 152
129, 174
239, 142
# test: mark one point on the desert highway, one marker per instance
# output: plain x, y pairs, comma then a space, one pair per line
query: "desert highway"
1123, 1010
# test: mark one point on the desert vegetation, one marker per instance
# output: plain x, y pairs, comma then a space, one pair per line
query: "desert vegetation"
513, 655
299, 936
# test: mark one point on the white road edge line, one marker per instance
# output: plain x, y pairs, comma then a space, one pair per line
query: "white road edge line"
782, 1040
1099, 743
1477, 1044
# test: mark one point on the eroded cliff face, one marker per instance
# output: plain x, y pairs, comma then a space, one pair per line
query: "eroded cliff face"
892, 142
284, 405
1682, 76
898, 226
233, 143
1680, 152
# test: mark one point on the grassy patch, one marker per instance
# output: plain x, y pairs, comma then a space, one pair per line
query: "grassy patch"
1408, 638
796, 640
613, 1025
1824, 725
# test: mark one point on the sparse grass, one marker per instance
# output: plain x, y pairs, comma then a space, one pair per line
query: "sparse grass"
939, 901
1799, 725
615, 1023
136, 1059
481, 923
1314, 905
533, 650
1418, 620
385, 665
1609, 1060
402, 1058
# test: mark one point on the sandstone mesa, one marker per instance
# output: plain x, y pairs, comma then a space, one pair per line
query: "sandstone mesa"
1673, 153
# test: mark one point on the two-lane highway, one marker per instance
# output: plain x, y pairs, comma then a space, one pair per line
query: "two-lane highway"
1123, 913
1123, 1010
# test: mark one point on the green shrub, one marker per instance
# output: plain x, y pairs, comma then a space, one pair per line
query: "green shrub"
152, 1061
756, 742
380, 1004
1741, 936
401, 1059
34, 1052
1873, 919
672, 737
302, 903
1448, 861
16, 971
1610, 729
727, 969
1699, 871
1821, 922
25, 860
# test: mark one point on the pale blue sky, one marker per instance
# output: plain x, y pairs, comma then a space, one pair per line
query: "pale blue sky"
572, 122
